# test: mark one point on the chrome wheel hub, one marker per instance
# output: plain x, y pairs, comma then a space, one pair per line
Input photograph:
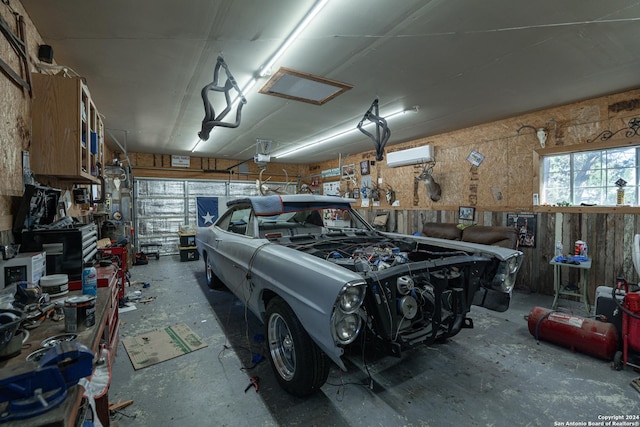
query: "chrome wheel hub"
281, 347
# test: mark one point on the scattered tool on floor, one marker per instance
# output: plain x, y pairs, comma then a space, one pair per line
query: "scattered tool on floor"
113, 407
254, 383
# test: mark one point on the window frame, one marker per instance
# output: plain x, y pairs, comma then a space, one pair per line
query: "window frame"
538, 159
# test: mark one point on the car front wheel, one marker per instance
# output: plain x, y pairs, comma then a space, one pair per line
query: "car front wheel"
300, 366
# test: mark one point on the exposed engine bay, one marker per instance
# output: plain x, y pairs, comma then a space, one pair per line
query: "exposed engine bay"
416, 293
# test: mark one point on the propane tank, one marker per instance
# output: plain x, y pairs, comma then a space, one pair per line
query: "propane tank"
589, 336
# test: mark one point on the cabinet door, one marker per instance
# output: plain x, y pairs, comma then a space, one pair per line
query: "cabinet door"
68, 134
92, 139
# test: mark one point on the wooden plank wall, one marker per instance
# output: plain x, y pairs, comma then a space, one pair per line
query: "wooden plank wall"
609, 238
159, 166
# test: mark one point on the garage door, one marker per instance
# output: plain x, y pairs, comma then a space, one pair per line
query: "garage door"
162, 206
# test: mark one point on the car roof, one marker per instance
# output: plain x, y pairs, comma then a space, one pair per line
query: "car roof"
281, 203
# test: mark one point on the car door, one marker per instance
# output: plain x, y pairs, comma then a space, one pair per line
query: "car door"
235, 248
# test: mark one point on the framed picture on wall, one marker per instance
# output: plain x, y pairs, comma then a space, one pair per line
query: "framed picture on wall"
475, 158
348, 171
527, 225
466, 213
364, 167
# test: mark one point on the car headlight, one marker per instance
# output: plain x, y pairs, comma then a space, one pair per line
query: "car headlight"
345, 320
505, 279
351, 296
514, 264
346, 326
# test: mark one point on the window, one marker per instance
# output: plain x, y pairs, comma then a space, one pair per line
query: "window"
589, 177
235, 220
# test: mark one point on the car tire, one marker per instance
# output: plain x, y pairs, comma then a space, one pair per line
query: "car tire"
301, 368
213, 282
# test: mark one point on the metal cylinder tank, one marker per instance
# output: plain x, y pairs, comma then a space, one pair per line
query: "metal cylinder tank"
589, 336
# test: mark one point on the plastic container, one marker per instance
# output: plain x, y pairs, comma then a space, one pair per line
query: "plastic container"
89, 280
55, 284
558, 251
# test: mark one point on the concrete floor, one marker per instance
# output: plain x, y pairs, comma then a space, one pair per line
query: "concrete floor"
492, 375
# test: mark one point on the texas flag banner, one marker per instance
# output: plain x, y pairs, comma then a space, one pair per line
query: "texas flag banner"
207, 210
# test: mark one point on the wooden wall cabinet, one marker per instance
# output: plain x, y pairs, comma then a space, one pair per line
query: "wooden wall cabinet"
68, 133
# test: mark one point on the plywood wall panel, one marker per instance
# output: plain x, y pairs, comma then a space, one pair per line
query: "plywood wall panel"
15, 117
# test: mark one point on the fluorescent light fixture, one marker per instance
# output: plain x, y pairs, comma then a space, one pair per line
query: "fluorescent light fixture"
247, 87
198, 142
266, 68
339, 134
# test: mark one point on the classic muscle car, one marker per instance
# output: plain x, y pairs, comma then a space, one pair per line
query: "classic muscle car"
321, 279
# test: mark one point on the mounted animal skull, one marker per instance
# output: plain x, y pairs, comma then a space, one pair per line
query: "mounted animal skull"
433, 188
541, 133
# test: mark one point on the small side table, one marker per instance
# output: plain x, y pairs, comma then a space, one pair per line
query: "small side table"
584, 267
151, 248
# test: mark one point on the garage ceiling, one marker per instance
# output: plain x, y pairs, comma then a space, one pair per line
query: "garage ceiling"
451, 64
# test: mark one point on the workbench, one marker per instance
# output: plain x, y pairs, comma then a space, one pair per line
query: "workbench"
583, 295
103, 333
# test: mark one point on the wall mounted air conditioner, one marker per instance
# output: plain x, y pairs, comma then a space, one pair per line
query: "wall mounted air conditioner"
412, 156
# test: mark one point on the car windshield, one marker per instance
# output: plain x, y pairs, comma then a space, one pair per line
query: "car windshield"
328, 218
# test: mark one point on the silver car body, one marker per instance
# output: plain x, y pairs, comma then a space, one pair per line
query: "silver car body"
257, 259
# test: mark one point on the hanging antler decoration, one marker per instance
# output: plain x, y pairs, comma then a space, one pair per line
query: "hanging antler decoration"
266, 190
382, 130
210, 119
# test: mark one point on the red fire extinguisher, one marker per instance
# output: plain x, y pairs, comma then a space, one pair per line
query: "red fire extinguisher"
589, 336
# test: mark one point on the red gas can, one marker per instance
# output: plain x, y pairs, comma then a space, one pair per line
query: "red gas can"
581, 334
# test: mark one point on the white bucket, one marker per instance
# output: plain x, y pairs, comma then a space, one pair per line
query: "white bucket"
55, 284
